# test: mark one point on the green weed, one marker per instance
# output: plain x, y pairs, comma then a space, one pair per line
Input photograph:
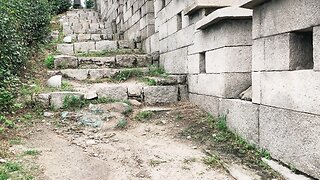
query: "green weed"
144, 115
31, 152
73, 102
121, 124
49, 62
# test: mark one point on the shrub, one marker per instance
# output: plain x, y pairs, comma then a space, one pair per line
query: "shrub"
60, 6
49, 62
89, 4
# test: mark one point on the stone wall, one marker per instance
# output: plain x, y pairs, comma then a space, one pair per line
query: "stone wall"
270, 55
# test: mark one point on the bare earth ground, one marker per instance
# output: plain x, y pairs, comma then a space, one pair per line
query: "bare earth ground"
144, 150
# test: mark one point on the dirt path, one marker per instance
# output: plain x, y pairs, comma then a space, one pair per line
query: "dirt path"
150, 150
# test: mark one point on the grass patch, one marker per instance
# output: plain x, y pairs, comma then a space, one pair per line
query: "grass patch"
121, 124
144, 115
155, 162
15, 141
127, 74
224, 144
73, 102
149, 81
31, 152
49, 62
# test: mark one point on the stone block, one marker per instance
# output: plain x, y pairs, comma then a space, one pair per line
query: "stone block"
291, 137
180, 79
96, 37
84, 46
193, 64
77, 74
106, 45
43, 99
113, 91
235, 33
276, 17
135, 90
65, 61
207, 103
256, 87
316, 48
84, 37
226, 85
57, 98
294, 90
96, 62
65, 49
242, 118
183, 93
229, 59
175, 62
126, 44
95, 74
160, 94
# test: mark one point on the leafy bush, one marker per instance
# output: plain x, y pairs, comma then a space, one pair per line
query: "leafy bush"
60, 6
89, 4
24, 24
49, 62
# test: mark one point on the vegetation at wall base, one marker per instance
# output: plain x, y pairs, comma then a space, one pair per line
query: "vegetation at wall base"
89, 4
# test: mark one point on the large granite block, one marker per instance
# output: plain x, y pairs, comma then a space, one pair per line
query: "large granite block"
207, 103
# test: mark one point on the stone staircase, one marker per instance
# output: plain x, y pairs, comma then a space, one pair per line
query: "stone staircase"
90, 61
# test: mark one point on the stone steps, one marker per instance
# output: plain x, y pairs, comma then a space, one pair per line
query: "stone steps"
114, 61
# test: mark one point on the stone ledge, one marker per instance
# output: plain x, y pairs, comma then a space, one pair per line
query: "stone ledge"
222, 14
250, 4
200, 4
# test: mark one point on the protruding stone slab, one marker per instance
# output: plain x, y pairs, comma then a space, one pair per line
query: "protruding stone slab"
160, 94
43, 99
132, 60
95, 74
207, 4
222, 14
91, 62
57, 98
84, 47
65, 61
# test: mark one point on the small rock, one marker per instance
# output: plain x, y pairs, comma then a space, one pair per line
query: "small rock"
91, 95
135, 102
67, 39
55, 81
48, 114
147, 130
194, 147
189, 137
164, 122
90, 142
3, 161
115, 140
143, 134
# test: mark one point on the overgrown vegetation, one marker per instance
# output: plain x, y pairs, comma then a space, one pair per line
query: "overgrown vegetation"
222, 142
144, 115
49, 62
142, 75
89, 4
14, 170
121, 124
60, 6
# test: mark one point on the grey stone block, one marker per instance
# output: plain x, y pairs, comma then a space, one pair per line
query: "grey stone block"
84, 46
106, 45
276, 17
96, 62
65, 49
295, 90
64, 61
43, 99
207, 103
183, 93
95, 74
229, 59
84, 37
113, 91
242, 118
160, 94
175, 62
292, 137
78, 74
316, 48
57, 98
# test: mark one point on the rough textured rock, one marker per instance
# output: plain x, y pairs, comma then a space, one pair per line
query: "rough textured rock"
78, 74
65, 49
160, 94
57, 98
65, 61
55, 81
43, 99
113, 91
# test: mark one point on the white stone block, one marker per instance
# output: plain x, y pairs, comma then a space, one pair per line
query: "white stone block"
106, 45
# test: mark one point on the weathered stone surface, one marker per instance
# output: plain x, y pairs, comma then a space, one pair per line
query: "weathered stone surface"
242, 118
126, 60
57, 98
43, 99
96, 37
95, 74
180, 79
276, 17
55, 81
84, 37
226, 85
78, 74
295, 90
316, 48
135, 90
124, 44
106, 45
294, 136
113, 91
65, 49
193, 64
183, 93
84, 46
160, 94
241, 172
207, 103
229, 59
97, 61
65, 61
284, 171
67, 39
175, 62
